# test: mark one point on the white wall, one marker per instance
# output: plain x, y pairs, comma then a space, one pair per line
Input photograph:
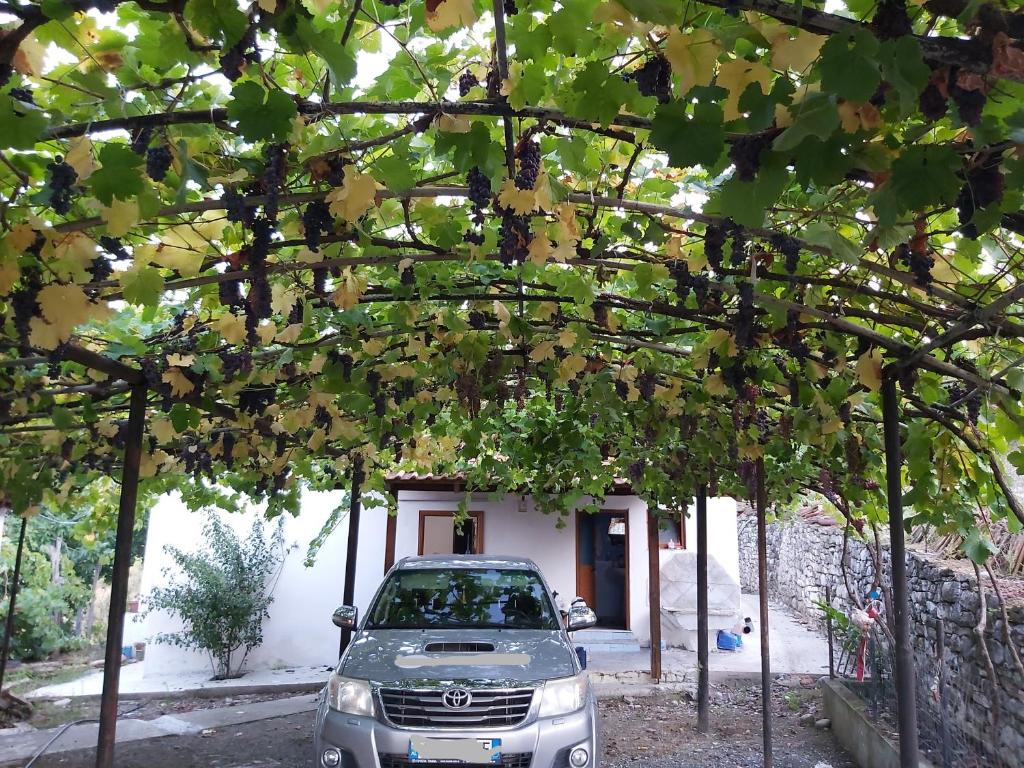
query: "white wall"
299, 631
508, 531
723, 540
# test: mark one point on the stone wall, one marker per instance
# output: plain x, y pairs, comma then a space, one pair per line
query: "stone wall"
804, 557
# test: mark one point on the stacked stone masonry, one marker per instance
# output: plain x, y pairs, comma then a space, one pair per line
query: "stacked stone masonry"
804, 557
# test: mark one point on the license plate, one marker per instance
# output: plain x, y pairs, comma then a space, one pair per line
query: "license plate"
426, 750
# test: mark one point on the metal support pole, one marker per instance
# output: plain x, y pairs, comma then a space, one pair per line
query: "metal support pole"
703, 719
906, 703
940, 661
119, 577
15, 582
762, 598
349, 590
828, 629
654, 593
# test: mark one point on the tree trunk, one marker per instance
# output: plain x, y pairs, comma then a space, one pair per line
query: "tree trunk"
55, 577
90, 614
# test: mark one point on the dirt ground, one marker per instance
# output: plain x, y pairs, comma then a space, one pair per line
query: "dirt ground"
640, 732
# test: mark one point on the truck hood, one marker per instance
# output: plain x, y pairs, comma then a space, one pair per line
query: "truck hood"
398, 657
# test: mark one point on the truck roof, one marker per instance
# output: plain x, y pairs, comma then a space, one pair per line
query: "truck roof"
498, 562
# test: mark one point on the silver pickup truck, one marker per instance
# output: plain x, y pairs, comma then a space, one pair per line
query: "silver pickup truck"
461, 662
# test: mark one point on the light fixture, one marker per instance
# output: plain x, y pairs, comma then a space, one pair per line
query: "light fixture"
332, 757
578, 757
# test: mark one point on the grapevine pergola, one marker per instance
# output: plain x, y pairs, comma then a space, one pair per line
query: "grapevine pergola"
744, 244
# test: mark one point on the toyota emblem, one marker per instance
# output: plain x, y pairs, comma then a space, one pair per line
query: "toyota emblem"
456, 698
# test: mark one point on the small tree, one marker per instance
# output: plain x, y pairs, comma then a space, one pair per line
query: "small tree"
223, 596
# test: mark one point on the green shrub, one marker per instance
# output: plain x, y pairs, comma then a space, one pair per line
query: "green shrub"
44, 612
221, 595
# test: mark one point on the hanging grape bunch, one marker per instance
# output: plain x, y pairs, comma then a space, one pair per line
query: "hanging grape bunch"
317, 221
158, 161
745, 153
245, 51
528, 154
275, 168
61, 183
467, 81
654, 78
985, 186
918, 261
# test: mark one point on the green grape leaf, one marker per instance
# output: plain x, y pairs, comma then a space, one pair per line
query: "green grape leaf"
815, 116
217, 19
903, 67
923, 176
119, 174
746, 201
689, 141
142, 285
19, 128
261, 115
849, 65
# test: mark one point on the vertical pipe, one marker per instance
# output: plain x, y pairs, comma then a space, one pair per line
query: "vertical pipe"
828, 627
15, 582
119, 577
940, 653
654, 593
762, 597
349, 591
906, 703
703, 720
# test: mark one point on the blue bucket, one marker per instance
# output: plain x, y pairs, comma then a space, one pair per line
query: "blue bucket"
581, 654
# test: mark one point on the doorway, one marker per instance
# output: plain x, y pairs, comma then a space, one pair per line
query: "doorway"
439, 535
602, 565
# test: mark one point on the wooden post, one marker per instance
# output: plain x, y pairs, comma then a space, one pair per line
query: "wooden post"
15, 582
119, 577
906, 701
762, 599
349, 590
654, 593
703, 719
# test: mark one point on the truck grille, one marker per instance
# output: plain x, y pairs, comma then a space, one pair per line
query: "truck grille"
489, 708
513, 760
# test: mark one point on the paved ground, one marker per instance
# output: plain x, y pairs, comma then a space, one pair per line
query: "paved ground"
641, 732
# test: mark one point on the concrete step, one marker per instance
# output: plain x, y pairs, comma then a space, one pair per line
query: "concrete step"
606, 640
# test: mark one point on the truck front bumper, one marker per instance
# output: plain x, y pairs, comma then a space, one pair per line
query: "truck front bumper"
365, 742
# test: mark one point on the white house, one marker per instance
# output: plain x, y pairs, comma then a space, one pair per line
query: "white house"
602, 557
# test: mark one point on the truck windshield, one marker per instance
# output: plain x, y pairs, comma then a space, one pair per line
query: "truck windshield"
465, 597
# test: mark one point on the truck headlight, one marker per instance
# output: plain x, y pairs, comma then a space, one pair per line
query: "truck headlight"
350, 696
560, 697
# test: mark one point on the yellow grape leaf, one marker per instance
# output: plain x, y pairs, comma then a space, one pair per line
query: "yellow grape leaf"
163, 430
669, 393
501, 311
79, 156
539, 251
735, 76
515, 74
545, 310
718, 337
449, 13
231, 328
306, 256
43, 335
542, 192
567, 339
121, 216
354, 197
9, 270
543, 351
185, 263
268, 5
854, 116
450, 124
869, 369
795, 53
181, 361
29, 57
714, 385
566, 214
522, 201
350, 289
283, 298
107, 428
267, 332
290, 334
64, 307
181, 385
692, 57
316, 440
564, 250
74, 254
232, 178
571, 367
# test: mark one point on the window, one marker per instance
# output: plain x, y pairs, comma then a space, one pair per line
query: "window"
463, 597
440, 536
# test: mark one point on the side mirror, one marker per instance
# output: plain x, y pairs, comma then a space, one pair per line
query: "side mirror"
345, 617
580, 616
